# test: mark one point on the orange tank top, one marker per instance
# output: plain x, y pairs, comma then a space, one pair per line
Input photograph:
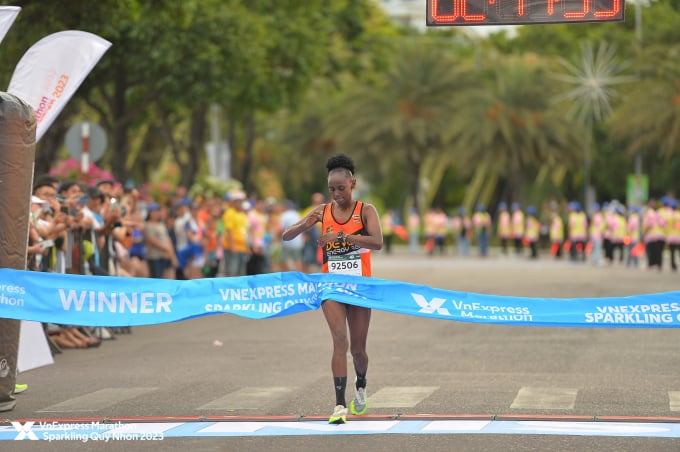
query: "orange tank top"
340, 257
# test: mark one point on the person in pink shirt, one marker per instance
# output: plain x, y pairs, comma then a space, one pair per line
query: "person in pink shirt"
517, 227
504, 227
633, 232
413, 230
595, 230
441, 221
617, 225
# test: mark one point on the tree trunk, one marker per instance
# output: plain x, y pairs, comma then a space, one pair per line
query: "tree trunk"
415, 164
197, 132
247, 162
120, 144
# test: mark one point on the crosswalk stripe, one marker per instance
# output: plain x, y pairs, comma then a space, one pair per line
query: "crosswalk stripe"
248, 398
97, 400
674, 398
545, 398
400, 396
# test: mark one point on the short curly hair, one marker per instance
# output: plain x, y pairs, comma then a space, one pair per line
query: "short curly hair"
340, 161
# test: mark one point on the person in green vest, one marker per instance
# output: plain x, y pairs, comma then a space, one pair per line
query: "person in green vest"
556, 233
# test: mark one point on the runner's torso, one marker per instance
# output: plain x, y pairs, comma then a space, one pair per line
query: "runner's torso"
341, 257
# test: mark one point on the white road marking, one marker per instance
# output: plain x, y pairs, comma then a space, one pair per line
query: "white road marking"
452, 426
97, 400
251, 397
674, 398
399, 396
534, 398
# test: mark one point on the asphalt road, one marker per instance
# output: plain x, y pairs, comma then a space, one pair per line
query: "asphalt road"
225, 365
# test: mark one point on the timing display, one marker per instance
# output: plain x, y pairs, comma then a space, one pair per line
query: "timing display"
519, 12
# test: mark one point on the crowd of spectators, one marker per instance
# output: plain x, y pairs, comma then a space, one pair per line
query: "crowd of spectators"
113, 230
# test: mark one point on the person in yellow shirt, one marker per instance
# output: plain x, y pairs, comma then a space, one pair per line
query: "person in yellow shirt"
227, 215
577, 229
235, 241
518, 224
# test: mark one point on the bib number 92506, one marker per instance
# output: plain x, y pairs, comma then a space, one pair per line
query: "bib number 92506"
346, 264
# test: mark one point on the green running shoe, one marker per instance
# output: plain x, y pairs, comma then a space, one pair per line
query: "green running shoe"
339, 415
20, 387
359, 405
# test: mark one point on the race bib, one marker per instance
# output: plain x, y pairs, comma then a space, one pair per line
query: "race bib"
345, 264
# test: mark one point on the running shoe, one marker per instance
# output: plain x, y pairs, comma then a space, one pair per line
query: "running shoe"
20, 387
359, 405
339, 415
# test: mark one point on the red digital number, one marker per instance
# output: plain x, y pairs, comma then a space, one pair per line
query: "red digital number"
580, 14
459, 11
453, 12
586, 8
616, 9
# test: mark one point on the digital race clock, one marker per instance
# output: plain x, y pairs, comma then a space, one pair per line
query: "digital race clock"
518, 12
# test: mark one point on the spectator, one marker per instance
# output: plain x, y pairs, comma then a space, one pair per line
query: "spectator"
311, 253
291, 251
158, 250
236, 235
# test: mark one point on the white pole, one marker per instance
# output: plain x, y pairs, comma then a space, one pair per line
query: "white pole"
85, 149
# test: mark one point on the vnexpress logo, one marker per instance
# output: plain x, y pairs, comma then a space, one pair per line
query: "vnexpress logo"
25, 431
431, 307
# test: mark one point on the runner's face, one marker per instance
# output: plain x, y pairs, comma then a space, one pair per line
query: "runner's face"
340, 186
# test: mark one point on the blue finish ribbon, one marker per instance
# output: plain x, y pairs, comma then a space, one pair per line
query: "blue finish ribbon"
119, 301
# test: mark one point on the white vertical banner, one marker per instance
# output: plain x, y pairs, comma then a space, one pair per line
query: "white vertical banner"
7, 16
52, 70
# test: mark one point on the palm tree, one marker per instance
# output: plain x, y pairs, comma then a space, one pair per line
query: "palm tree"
405, 118
509, 127
591, 82
649, 115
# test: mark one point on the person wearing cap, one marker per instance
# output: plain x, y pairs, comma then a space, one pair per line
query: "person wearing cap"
577, 231
52, 224
617, 227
